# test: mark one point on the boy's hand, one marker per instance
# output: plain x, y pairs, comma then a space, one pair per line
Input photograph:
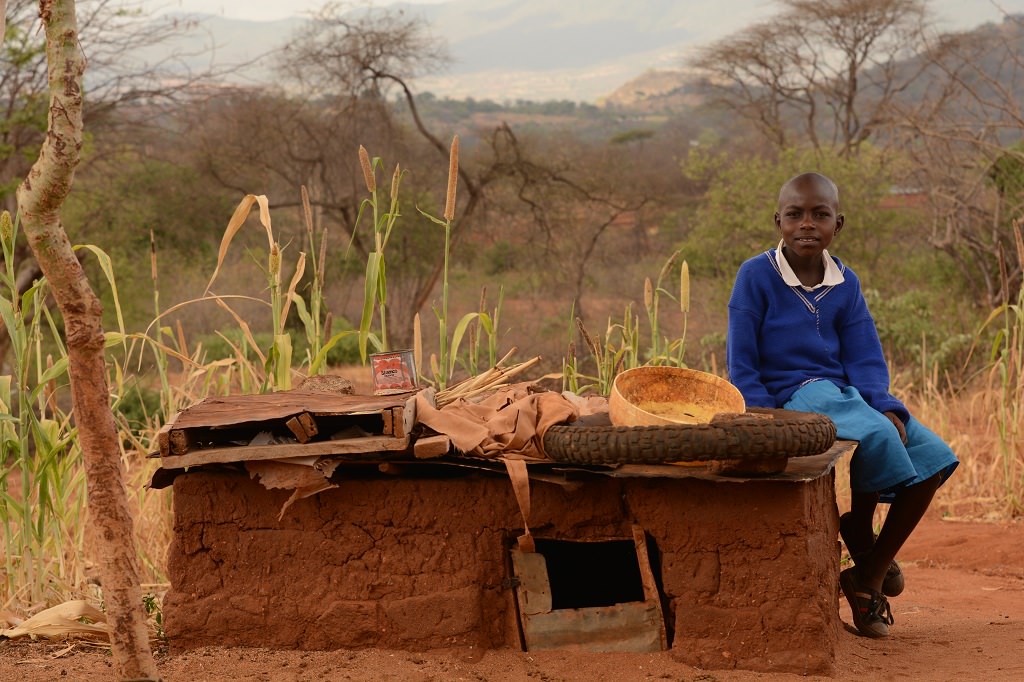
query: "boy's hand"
899, 426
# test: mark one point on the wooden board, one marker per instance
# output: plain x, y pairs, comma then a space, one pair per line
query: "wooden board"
348, 446
431, 447
797, 468
303, 427
244, 409
308, 417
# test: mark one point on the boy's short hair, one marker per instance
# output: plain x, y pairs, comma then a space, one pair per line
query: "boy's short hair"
818, 177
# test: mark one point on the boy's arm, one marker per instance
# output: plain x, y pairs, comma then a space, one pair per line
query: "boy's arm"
743, 358
742, 354
864, 362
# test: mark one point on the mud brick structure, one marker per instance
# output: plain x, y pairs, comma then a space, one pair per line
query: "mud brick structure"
746, 568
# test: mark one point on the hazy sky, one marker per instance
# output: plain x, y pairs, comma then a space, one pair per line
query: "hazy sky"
259, 10
957, 12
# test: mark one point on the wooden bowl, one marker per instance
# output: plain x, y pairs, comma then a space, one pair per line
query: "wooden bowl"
654, 396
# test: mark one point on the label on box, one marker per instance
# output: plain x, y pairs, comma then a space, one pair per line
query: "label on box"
393, 372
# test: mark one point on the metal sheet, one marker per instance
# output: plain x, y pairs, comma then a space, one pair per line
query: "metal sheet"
631, 626
634, 626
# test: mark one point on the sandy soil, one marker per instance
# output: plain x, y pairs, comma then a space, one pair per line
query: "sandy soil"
961, 617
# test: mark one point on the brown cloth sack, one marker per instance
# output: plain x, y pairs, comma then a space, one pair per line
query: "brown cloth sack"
509, 423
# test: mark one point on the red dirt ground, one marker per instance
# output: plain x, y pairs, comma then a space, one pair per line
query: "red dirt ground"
961, 617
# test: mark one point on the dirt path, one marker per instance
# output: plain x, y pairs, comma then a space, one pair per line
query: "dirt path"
962, 617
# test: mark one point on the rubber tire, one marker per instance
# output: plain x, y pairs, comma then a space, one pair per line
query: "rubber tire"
764, 433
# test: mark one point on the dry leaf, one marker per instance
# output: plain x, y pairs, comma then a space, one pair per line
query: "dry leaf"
64, 620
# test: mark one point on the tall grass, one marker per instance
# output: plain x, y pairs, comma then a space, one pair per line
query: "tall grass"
42, 492
1006, 382
619, 347
375, 295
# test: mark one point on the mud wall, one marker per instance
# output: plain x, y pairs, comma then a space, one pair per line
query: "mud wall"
748, 570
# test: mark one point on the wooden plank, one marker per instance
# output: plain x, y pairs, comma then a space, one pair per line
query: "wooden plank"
397, 421
651, 594
797, 469
534, 589
241, 409
303, 427
632, 626
243, 453
431, 446
181, 441
389, 423
646, 577
163, 436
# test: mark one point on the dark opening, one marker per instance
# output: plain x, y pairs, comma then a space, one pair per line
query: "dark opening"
586, 574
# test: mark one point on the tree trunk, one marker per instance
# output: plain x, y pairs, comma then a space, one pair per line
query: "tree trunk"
39, 200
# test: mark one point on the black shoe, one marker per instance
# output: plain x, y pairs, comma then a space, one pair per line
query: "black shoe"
871, 612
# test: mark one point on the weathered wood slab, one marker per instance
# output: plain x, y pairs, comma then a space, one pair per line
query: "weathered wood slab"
242, 409
307, 416
368, 445
431, 446
303, 427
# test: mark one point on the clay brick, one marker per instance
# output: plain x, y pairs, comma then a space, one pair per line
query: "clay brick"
434, 616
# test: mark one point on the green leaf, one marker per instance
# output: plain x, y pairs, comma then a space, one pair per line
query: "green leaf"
108, 271
300, 310
485, 323
460, 330
369, 299
431, 218
283, 364
321, 357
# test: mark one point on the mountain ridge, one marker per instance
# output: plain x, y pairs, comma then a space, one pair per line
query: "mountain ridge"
509, 50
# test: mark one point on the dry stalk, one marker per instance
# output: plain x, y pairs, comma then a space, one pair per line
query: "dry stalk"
453, 180
368, 175
494, 378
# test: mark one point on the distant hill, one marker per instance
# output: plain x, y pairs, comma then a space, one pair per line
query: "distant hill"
539, 50
655, 90
507, 50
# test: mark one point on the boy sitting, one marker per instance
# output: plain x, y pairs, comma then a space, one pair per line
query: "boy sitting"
801, 337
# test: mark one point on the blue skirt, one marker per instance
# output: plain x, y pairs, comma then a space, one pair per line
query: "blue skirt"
881, 463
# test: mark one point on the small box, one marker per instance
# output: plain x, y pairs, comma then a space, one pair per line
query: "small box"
393, 372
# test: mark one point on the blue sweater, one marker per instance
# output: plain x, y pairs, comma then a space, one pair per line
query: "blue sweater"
781, 337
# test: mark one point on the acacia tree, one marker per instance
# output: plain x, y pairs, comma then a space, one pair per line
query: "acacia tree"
364, 59
348, 79
39, 199
348, 67
963, 136
821, 72
112, 33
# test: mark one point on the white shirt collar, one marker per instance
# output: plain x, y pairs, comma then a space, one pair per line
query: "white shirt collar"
833, 275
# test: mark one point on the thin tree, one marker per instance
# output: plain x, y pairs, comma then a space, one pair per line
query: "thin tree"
40, 197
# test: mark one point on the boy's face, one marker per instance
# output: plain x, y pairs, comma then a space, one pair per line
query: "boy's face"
808, 216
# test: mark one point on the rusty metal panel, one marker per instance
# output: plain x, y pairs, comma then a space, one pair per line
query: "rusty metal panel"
634, 626
534, 590
631, 626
